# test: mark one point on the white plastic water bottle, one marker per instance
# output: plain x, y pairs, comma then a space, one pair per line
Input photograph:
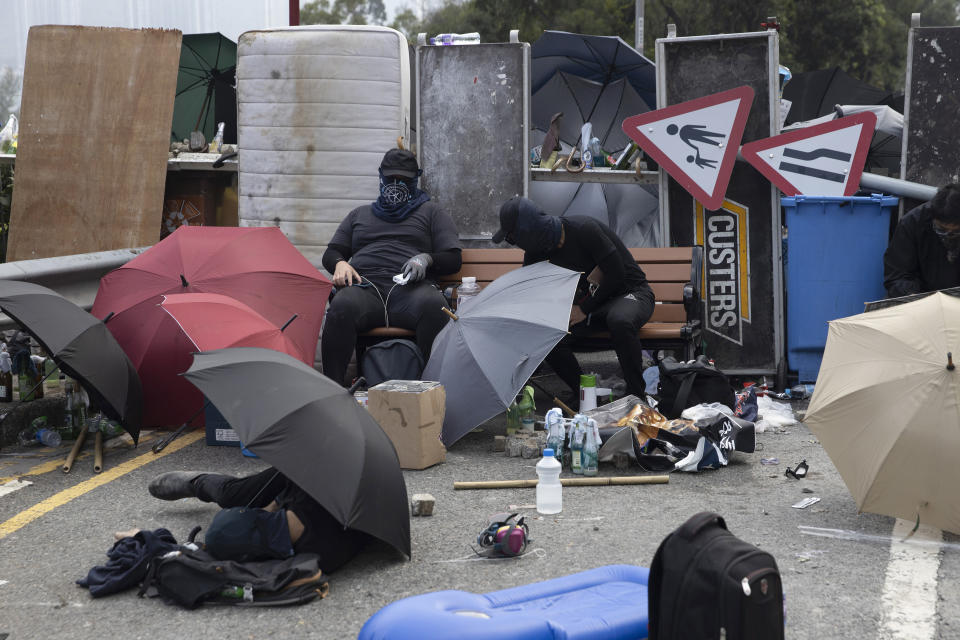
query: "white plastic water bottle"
467, 290
549, 489
456, 38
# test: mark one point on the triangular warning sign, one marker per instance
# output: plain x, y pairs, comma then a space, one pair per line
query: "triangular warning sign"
823, 160
697, 141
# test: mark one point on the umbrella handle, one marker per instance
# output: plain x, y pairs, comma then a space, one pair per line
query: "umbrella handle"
160, 446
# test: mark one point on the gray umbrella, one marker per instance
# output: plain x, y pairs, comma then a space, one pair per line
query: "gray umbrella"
582, 100
484, 357
314, 432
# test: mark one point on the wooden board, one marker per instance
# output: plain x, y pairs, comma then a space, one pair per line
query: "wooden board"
94, 136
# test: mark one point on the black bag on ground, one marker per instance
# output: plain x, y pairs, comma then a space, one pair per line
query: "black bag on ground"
686, 384
194, 577
707, 583
396, 359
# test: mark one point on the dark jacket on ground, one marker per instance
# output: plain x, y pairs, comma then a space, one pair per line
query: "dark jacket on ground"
916, 259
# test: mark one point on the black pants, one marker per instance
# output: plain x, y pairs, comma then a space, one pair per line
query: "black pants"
622, 316
322, 534
357, 309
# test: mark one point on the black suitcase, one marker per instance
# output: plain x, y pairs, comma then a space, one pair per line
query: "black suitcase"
707, 584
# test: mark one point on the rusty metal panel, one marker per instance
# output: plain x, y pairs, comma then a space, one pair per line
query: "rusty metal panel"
94, 136
318, 107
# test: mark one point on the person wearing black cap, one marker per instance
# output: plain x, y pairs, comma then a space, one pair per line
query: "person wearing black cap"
924, 253
621, 303
402, 233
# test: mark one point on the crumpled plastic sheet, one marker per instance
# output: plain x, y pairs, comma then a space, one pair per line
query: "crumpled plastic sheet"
773, 414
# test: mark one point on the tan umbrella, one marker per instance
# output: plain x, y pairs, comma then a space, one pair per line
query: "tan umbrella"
887, 409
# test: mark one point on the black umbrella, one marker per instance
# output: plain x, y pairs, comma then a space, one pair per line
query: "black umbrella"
313, 432
82, 347
605, 106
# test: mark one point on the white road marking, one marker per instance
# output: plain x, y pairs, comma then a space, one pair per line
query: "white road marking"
13, 485
908, 606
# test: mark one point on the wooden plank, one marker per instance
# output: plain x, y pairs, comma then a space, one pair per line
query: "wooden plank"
667, 272
514, 256
669, 313
648, 255
94, 138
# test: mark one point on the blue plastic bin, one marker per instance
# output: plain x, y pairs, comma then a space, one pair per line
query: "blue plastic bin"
834, 264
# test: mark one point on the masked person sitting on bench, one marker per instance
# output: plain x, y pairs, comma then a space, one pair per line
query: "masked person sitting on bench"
283, 517
402, 232
621, 303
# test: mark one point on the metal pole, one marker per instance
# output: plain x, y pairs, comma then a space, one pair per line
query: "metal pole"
886, 184
638, 34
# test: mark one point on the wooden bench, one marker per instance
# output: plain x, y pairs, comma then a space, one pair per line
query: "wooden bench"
674, 274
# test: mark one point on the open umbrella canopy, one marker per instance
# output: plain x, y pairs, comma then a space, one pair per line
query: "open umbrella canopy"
580, 100
257, 266
314, 432
886, 408
602, 59
205, 87
212, 321
485, 356
81, 346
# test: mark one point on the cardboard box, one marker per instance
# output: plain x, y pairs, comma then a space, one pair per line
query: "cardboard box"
411, 413
219, 431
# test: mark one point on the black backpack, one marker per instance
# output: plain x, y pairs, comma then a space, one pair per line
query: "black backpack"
706, 583
686, 384
396, 359
192, 577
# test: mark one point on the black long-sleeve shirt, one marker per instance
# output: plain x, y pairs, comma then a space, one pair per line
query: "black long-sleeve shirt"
587, 244
916, 259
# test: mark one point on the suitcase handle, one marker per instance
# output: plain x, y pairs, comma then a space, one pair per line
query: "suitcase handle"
696, 523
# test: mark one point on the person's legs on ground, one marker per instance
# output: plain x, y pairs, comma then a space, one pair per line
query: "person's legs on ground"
565, 364
353, 310
225, 490
623, 317
419, 307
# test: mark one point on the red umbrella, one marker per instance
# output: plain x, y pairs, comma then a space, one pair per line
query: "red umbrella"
212, 321
257, 266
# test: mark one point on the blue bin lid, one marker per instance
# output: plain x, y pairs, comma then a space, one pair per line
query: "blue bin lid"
874, 198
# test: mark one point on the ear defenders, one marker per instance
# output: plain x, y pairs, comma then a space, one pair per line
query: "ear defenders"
504, 536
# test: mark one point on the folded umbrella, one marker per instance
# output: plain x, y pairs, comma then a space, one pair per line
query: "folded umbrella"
256, 266
313, 432
886, 408
82, 347
485, 356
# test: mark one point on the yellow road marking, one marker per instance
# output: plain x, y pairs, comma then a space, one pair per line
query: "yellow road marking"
29, 515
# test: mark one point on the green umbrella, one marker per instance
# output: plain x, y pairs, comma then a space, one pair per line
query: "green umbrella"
205, 88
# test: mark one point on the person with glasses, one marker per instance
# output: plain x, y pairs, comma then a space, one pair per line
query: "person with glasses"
924, 254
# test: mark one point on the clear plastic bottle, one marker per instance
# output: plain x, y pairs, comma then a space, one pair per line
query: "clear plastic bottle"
39, 433
456, 38
467, 290
527, 408
217, 143
800, 391
556, 432
549, 488
590, 457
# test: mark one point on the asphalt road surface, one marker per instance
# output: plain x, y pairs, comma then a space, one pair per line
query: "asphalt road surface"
845, 575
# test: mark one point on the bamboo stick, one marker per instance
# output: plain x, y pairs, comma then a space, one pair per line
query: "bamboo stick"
98, 452
567, 482
72, 457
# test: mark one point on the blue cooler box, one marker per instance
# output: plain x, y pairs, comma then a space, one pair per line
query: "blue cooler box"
834, 264
219, 431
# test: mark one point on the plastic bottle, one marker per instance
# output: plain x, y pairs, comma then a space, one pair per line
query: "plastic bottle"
578, 434
527, 409
800, 391
467, 290
456, 38
39, 433
556, 432
513, 418
549, 489
217, 143
6, 377
79, 407
590, 456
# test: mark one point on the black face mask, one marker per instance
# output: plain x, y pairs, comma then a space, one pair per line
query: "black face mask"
535, 231
950, 240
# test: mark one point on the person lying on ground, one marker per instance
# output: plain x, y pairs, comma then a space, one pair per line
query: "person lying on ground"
620, 301
402, 232
923, 254
298, 523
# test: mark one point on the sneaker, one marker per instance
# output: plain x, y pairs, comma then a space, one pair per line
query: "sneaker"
174, 485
